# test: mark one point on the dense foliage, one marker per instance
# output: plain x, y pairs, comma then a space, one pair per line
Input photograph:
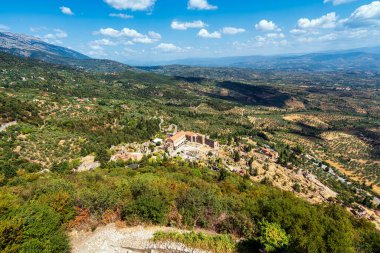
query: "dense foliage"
35, 209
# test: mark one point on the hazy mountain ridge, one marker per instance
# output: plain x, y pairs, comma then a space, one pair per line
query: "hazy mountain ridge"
32, 47
364, 59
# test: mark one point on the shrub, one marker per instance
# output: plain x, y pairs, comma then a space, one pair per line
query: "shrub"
297, 187
199, 207
11, 235
237, 224
33, 228
97, 200
272, 236
148, 208
213, 243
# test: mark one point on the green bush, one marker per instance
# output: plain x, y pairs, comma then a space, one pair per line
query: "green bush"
199, 207
272, 236
97, 200
148, 208
33, 228
213, 243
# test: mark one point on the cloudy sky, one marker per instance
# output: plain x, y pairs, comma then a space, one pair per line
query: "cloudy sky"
143, 31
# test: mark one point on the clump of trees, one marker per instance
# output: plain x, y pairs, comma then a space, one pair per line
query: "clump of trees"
12, 109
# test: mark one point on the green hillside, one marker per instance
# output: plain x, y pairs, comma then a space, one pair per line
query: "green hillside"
65, 114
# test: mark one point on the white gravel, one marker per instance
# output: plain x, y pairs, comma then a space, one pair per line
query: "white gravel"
111, 239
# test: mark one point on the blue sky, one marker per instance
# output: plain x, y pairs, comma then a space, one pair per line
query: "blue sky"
137, 31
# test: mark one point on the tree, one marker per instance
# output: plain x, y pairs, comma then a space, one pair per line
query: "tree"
60, 167
272, 236
223, 174
103, 156
236, 156
253, 172
297, 187
367, 201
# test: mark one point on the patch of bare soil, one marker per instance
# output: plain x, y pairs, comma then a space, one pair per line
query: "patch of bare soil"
308, 120
293, 103
114, 239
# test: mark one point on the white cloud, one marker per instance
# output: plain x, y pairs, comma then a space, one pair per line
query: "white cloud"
168, 47
66, 10
125, 32
232, 30
339, 2
362, 33
323, 38
369, 11
121, 15
200, 5
203, 33
96, 44
176, 25
55, 36
262, 45
97, 47
128, 43
144, 40
97, 53
265, 25
60, 33
327, 21
297, 31
134, 5
38, 29
269, 40
130, 33
364, 15
276, 35
4, 28
109, 32
260, 39
49, 36
154, 35
270, 36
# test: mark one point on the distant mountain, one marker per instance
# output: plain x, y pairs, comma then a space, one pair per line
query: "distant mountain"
363, 59
32, 47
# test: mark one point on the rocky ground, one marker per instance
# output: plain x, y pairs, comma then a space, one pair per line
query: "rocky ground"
115, 239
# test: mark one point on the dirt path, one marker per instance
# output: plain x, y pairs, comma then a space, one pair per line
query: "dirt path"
112, 239
4, 127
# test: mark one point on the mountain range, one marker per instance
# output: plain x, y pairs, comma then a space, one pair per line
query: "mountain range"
32, 47
362, 59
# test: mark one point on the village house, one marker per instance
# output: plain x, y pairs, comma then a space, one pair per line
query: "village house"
158, 141
180, 138
269, 152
